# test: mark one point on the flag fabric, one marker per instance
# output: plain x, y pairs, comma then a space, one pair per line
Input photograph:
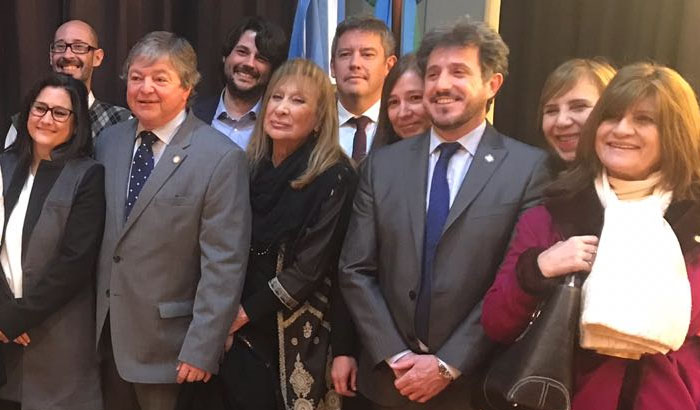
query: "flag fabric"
410, 27
383, 11
314, 26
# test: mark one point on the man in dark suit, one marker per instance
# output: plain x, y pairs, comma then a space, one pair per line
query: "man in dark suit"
75, 51
431, 221
177, 234
252, 51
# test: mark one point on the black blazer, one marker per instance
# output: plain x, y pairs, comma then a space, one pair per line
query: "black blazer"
205, 107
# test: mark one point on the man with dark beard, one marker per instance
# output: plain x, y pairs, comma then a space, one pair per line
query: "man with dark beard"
251, 52
75, 51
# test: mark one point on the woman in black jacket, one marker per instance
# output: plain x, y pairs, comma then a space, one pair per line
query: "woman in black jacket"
54, 216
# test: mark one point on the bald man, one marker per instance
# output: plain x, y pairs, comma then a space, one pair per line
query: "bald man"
75, 51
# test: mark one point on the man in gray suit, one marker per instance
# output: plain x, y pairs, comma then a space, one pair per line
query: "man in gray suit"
176, 238
431, 221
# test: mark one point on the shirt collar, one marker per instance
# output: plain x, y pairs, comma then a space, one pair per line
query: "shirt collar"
91, 99
469, 142
344, 115
222, 107
167, 131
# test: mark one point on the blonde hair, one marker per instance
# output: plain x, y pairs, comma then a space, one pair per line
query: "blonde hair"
327, 151
678, 123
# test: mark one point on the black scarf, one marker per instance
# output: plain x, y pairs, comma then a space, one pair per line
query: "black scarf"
279, 210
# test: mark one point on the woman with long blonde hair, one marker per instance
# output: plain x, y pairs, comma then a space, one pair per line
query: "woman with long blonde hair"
301, 192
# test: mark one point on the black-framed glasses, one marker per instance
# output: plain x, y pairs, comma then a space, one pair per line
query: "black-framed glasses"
59, 114
76, 48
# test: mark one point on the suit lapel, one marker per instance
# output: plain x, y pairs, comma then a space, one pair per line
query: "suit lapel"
123, 155
489, 155
417, 170
164, 168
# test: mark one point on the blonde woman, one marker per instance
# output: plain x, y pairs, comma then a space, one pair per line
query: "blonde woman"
301, 192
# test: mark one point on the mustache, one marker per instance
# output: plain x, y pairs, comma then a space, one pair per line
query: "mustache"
63, 61
246, 69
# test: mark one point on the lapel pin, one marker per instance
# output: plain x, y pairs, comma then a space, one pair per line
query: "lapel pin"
176, 159
488, 158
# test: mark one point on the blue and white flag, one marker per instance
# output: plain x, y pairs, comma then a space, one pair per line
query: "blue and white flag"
314, 27
410, 36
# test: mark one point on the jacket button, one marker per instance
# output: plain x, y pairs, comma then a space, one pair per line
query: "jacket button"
116, 258
412, 295
107, 292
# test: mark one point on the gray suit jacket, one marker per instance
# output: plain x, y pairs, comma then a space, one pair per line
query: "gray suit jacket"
170, 277
61, 232
381, 259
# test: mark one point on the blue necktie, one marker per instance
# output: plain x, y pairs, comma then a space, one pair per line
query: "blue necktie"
141, 168
438, 208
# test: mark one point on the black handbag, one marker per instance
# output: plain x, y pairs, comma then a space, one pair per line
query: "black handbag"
536, 371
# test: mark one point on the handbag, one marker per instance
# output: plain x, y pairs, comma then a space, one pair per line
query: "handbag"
536, 371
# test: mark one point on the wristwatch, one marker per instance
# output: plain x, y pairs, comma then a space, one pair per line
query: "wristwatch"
444, 371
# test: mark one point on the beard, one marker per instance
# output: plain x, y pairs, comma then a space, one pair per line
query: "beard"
252, 93
453, 122
81, 73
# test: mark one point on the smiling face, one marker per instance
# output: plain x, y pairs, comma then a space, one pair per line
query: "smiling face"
154, 91
455, 91
79, 66
45, 131
563, 117
405, 106
247, 72
360, 65
291, 112
630, 147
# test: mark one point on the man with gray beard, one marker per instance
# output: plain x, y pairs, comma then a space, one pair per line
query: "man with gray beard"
251, 52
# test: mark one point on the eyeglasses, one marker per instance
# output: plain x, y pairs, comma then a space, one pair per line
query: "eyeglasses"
59, 114
76, 48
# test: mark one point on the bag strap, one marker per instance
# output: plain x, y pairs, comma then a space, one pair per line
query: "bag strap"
630, 385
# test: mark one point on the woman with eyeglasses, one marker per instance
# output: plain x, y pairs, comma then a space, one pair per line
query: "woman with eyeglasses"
53, 195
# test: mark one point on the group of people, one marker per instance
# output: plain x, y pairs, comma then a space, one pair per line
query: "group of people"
288, 244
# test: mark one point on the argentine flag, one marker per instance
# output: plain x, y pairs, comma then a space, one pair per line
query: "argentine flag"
314, 27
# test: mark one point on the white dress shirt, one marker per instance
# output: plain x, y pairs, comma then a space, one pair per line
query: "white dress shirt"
456, 172
165, 134
238, 130
346, 132
12, 132
11, 253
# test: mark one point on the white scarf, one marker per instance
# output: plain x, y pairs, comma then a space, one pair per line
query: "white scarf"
636, 299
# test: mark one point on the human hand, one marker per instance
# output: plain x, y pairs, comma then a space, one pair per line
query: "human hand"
400, 372
240, 321
188, 373
422, 379
23, 340
572, 255
3, 338
344, 375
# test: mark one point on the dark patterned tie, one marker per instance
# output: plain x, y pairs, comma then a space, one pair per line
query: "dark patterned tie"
359, 142
141, 168
438, 208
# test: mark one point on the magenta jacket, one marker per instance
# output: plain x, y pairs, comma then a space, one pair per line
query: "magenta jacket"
655, 382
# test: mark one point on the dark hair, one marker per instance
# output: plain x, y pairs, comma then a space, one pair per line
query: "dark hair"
385, 133
80, 143
678, 124
493, 52
367, 24
269, 39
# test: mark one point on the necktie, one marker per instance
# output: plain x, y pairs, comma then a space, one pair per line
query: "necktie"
359, 142
438, 208
223, 116
141, 168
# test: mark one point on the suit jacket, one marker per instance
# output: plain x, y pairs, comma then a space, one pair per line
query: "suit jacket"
381, 259
204, 108
170, 277
61, 236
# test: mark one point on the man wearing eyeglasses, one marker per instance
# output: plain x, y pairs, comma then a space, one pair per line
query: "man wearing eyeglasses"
75, 51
